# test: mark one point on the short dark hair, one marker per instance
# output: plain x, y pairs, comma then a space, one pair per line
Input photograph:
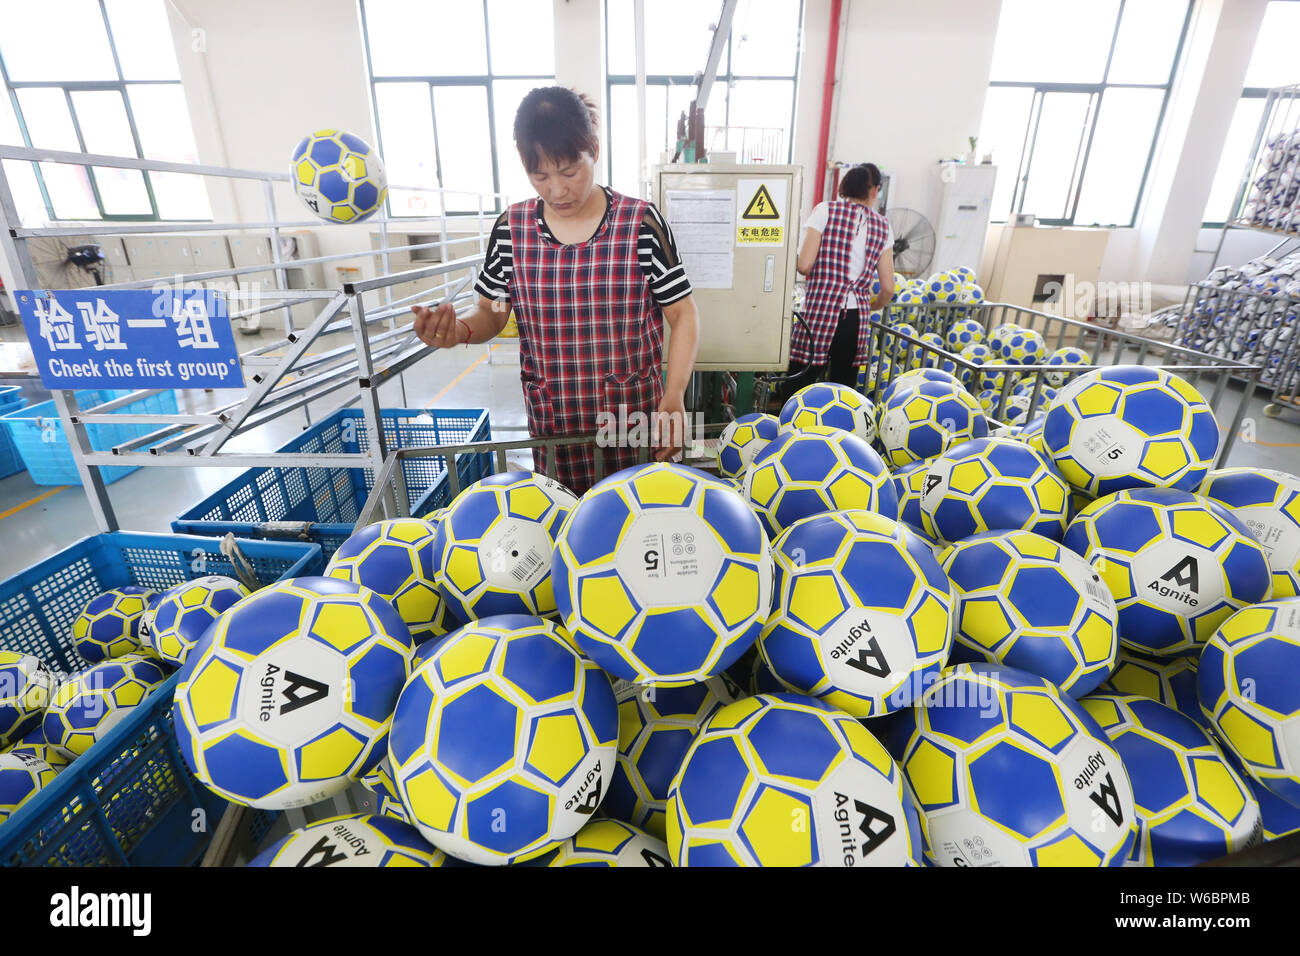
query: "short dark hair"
859, 181
555, 122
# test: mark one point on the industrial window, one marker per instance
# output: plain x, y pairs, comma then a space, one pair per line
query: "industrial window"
96, 76
1271, 64
751, 108
446, 90
1076, 96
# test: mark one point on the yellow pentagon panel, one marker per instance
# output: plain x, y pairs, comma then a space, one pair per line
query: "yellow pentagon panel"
815, 600
804, 418
436, 802
557, 746
1164, 459
461, 569
79, 628
1116, 577
343, 212
1096, 638
629, 724
212, 692
1292, 509
321, 133
354, 166
130, 605
774, 830
846, 702
418, 603
1217, 788
193, 597
305, 172
129, 694
663, 488
849, 490
743, 435
468, 655
1246, 623
736, 594
605, 604
1207, 624
1105, 712
170, 645
1129, 679
529, 502
931, 623
342, 625
968, 476
1097, 399
1073, 473
985, 623
1040, 718
1252, 740
734, 714
1050, 494
1071, 851
1200, 527
1034, 546
918, 409
765, 484
603, 836
1185, 389
866, 746
931, 772
869, 521
409, 531
329, 756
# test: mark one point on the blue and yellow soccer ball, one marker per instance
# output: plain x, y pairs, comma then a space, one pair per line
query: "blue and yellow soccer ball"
1022, 347
1279, 818
289, 697
1027, 602
110, 625
993, 484
998, 334
744, 438
909, 485
397, 559
504, 741
1177, 564
1128, 426
608, 843
944, 287
876, 374
832, 406
1192, 806
1248, 689
494, 545
927, 421
971, 294
1170, 681
1064, 362
976, 379
25, 688
784, 780
92, 702
923, 359
1268, 504
1008, 771
962, 334
912, 378
338, 176
34, 744
863, 613
899, 348
22, 776
361, 840
185, 612
815, 470
655, 728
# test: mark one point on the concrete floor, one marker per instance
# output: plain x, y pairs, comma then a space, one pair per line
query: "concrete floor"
149, 499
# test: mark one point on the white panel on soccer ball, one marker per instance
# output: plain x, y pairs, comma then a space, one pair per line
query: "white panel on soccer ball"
284, 684
1098, 794
669, 559
868, 652
859, 820
515, 554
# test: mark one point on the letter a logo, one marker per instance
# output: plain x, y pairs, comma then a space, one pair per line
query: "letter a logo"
872, 815
1108, 799
1185, 574
871, 659
592, 801
325, 850
293, 692
931, 482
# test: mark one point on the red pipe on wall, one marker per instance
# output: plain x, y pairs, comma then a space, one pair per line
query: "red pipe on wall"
828, 92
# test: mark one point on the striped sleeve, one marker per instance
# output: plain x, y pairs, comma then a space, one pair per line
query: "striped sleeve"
498, 264
657, 252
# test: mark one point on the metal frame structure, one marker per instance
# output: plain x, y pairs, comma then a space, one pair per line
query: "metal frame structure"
382, 347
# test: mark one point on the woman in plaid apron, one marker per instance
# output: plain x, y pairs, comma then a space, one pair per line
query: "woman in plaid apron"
591, 276
830, 336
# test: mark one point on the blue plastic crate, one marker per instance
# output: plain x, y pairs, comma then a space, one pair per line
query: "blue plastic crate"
10, 461
38, 434
130, 799
323, 503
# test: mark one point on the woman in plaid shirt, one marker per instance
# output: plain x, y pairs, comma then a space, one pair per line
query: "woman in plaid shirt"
592, 276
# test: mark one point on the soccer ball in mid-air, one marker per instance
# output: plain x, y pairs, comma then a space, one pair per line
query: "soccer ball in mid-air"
663, 574
92, 702
1247, 686
110, 624
1177, 564
503, 743
833, 406
744, 438
1064, 362
25, 688
862, 617
289, 697
993, 484
927, 421
363, 840
338, 176
186, 611
816, 470
1008, 771
608, 843
784, 780
1268, 503
1027, 602
1129, 426
1192, 806
495, 543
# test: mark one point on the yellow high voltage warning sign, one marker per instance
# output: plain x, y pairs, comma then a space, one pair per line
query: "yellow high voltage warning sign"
762, 220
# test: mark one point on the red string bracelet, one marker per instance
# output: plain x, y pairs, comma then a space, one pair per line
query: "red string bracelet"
469, 333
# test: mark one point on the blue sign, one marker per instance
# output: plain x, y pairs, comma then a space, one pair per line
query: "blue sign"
132, 338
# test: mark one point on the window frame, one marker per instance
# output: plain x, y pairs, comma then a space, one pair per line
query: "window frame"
120, 87
723, 79
485, 81
1097, 91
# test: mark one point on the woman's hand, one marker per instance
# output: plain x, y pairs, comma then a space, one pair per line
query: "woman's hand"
438, 327
669, 431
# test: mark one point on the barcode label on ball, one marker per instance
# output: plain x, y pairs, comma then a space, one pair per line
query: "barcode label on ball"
1096, 590
528, 566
